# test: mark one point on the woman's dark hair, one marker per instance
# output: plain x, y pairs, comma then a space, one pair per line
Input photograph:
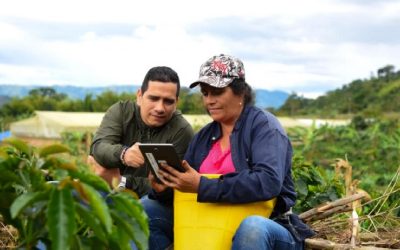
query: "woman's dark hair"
240, 87
161, 74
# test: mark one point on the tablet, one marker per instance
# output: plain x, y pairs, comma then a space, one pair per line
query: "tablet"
157, 153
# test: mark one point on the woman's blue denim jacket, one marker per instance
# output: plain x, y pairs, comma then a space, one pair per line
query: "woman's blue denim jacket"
261, 154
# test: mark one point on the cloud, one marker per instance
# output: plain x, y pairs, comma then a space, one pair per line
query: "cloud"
66, 31
308, 47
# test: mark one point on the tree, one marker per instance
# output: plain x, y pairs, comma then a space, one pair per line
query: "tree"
108, 98
190, 102
293, 105
47, 92
386, 72
17, 108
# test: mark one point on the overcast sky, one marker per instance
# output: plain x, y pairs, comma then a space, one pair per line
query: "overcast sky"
308, 47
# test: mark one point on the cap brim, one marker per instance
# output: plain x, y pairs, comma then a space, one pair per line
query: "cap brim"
212, 81
194, 84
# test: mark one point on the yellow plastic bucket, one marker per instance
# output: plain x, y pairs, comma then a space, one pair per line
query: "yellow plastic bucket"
210, 225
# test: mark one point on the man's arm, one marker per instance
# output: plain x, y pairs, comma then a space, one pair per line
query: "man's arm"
106, 147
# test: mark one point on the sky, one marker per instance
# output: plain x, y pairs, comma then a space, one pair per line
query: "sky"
306, 47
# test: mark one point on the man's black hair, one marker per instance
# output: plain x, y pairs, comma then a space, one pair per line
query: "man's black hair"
161, 74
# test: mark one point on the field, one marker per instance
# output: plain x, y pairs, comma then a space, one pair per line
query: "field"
370, 147
198, 121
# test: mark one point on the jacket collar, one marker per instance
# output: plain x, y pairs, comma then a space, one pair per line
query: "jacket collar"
242, 118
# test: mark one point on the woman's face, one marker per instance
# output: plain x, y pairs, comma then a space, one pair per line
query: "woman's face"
221, 103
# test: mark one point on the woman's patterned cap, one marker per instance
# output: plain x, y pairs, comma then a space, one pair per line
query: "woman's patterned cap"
220, 71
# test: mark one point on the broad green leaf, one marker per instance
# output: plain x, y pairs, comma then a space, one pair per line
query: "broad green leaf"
53, 162
126, 203
91, 179
8, 177
129, 225
100, 208
50, 163
6, 199
77, 185
3, 154
53, 149
61, 218
88, 218
82, 242
120, 239
25, 200
68, 166
20, 145
301, 187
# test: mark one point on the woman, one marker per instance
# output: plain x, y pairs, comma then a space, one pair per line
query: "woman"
252, 152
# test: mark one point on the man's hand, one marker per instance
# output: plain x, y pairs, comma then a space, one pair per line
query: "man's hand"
133, 157
187, 181
112, 175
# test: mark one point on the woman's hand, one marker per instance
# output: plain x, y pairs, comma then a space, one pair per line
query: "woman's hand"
157, 186
187, 181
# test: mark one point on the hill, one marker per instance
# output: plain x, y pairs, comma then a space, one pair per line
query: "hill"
73, 92
4, 99
371, 97
264, 98
268, 99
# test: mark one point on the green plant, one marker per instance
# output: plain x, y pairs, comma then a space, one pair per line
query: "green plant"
77, 141
313, 185
75, 210
371, 145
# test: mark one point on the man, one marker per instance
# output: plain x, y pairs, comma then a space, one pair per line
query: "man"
153, 118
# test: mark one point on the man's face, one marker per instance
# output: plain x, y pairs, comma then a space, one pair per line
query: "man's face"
157, 103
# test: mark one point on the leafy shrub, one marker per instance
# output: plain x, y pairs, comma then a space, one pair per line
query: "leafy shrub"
313, 185
78, 142
74, 210
372, 146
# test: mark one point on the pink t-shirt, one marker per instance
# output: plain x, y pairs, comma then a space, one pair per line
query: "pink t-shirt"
217, 161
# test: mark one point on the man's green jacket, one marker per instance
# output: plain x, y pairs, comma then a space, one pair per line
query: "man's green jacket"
122, 126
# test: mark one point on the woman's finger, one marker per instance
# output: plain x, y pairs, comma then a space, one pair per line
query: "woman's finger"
169, 170
167, 176
168, 182
186, 165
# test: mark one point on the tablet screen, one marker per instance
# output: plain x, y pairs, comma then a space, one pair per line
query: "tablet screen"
157, 153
